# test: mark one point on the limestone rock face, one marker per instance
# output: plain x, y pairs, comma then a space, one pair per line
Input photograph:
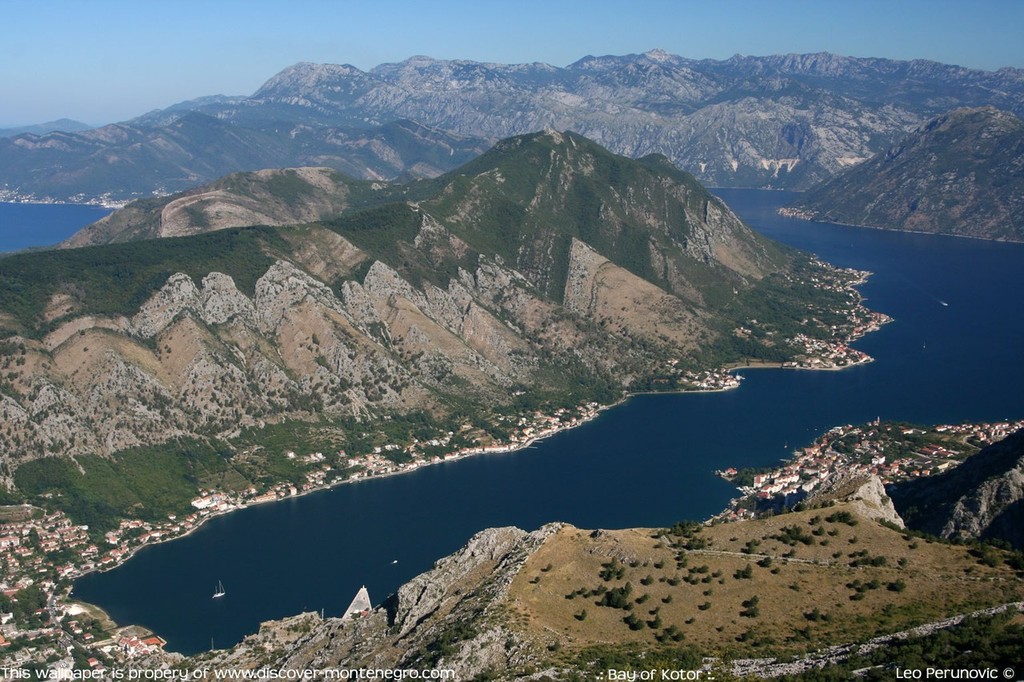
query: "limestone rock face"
198, 360
424, 594
867, 493
218, 302
981, 498
283, 288
994, 510
177, 295
873, 502
222, 301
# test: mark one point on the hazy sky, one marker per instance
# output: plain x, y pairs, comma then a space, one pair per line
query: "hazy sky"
100, 61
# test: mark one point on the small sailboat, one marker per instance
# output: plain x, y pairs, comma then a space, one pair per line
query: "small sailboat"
219, 590
394, 562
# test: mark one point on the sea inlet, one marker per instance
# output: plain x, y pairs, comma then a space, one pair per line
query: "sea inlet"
953, 353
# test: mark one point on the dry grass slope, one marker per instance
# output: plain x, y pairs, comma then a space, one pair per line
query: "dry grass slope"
816, 578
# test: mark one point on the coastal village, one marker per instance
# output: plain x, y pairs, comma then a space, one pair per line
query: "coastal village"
42, 553
835, 353
892, 451
105, 200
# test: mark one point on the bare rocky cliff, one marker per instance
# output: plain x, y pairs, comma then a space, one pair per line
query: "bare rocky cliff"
453, 615
210, 358
866, 494
981, 498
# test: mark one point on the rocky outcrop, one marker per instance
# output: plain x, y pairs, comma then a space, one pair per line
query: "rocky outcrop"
865, 493
449, 617
425, 594
871, 501
981, 498
197, 360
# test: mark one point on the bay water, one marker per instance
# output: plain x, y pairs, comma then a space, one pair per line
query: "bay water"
24, 226
955, 352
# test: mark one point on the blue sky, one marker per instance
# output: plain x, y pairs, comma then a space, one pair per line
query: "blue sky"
100, 61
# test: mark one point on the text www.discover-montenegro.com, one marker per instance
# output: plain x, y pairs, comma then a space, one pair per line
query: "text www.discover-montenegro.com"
334, 674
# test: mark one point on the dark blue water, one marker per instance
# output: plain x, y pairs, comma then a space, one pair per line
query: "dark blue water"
26, 225
645, 463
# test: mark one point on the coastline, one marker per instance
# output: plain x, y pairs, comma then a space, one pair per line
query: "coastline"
533, 440
781, 365
798, 214
510, 449
115, 626
340, 482
112, 204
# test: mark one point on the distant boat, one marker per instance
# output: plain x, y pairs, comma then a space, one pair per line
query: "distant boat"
394, 562
219, 591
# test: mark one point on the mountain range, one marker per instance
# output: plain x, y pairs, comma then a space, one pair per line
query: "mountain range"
546, 271
783, 121
63, 125
126, 161
961, 173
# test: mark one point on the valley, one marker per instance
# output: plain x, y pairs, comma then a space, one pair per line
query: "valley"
487, 310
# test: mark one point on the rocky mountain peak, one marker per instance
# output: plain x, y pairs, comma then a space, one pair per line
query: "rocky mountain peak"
659, 55
306, 77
